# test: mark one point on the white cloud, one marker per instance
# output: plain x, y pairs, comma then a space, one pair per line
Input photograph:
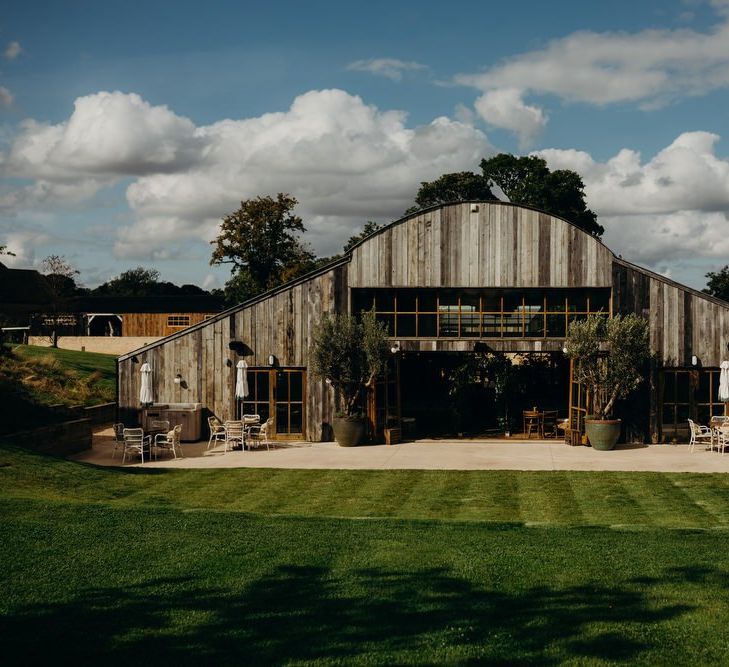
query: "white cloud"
23, 243
12, 50
504, 108
649, 68
6, 98
672, 206
210, 281
108, 134
345, 161
390, 68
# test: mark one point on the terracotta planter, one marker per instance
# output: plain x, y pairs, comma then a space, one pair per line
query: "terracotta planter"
348, 431
603, 434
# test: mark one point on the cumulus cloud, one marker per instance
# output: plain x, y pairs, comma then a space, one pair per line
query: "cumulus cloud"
649, 68
345, 161
6, 98
673, 206
23, 243
109, 134
504, 108
12, 51
390, 68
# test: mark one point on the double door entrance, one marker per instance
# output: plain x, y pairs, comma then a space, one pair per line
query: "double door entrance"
278, 393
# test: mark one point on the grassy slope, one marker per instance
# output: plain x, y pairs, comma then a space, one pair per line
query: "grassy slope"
82, 363
420, 567
32, 379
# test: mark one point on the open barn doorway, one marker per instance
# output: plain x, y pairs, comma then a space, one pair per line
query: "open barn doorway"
469, 394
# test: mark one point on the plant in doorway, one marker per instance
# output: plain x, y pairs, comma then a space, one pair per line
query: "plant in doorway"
609, 357
349, 353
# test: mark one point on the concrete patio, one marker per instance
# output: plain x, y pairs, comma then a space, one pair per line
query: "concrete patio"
512, 454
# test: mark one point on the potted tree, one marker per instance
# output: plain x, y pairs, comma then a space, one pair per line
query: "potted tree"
349, 353
609, 356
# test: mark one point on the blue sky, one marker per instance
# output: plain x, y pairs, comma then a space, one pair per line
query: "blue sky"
128, 129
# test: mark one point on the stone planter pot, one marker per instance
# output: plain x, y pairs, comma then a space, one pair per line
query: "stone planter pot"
348, 431
602, 433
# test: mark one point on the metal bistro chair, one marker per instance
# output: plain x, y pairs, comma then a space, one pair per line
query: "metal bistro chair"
699, 434
248, 422
259, 435
169, 441
118, 439
217, 431
233, 433
135, 442
722, 438
158, 425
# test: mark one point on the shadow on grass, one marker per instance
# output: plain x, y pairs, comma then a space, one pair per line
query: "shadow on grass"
301, 613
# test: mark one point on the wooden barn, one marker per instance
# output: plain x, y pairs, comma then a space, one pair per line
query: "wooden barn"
449, 282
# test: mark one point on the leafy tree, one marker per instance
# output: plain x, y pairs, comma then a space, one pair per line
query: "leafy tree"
239, 288
527, 180
261, 239
459, 186
718, 283
132, 282
61, 279
370, 227
609, 355
143, 282
349, 353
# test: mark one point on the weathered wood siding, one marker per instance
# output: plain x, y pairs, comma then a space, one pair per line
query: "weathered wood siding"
280, 324
499, 245
683, 322
155, 324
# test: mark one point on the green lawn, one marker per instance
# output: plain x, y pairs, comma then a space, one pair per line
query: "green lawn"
335, 567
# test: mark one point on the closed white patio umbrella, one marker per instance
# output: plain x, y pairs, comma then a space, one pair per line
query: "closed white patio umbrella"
145, 390
724, 382
241, 380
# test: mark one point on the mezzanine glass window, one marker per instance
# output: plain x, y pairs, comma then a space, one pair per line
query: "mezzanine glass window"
480, 313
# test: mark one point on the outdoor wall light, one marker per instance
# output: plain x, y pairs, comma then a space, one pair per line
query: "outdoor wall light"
271, 360
694, 360
395, 348
474, 208
564, 347
178, 379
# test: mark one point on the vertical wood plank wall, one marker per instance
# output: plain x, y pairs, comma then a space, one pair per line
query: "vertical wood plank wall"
499, 245
682, 322
155, 324
280, 325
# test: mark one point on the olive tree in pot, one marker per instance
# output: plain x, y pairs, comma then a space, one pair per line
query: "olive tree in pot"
349, 352
609, 356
